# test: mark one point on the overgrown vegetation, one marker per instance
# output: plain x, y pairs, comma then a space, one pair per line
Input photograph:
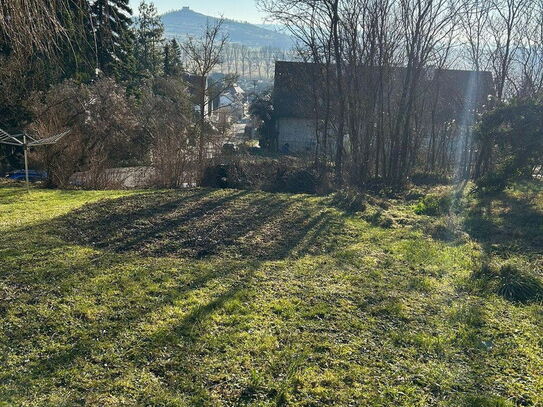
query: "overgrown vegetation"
116, 84
385, 108
511, 145
272, 174
386, 105
434, 204
228, 297
280, 281
510, 280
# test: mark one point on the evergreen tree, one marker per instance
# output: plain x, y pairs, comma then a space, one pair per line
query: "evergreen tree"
167, 60
149, 33
126, 69
78, 51
111, 21
172, 59
176, 57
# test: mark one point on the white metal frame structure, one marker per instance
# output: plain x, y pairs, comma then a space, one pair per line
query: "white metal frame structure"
25, 141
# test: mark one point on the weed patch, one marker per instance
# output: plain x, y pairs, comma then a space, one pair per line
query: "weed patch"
511, 280
434, 205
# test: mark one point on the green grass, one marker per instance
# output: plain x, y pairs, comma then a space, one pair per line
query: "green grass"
234, 298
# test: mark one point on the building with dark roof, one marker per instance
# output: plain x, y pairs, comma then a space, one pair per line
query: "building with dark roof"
304, 92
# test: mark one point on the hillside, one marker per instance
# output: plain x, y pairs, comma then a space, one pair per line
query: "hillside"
185, 22
224, 297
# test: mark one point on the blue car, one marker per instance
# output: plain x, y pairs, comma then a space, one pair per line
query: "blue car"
33, 175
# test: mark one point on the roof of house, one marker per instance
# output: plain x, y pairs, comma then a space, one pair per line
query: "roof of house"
295, 95
237, 89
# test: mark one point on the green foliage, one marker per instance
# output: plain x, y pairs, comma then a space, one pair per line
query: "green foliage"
349, 200
517, 285
148, 34
111, 25
434, 205
23, 70
172, 59
511, 144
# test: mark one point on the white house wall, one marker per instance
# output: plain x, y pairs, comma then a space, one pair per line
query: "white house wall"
299, 134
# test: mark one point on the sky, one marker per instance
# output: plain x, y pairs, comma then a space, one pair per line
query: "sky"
244, 10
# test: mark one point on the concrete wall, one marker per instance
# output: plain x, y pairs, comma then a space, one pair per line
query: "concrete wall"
299, 134
129, 177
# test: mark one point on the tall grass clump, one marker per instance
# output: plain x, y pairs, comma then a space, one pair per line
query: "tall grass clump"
511, 280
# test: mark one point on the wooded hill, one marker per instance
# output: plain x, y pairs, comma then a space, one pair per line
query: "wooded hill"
186, 22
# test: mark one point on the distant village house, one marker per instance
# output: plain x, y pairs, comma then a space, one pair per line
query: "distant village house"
300, 101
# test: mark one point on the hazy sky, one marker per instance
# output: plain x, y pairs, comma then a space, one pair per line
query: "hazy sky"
235, 9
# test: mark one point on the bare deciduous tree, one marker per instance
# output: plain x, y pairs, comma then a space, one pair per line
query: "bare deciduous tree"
203, 55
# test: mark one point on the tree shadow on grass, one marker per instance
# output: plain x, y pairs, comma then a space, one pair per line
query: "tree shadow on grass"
246, 228
85, 345
203, 223
506, 224
9, 195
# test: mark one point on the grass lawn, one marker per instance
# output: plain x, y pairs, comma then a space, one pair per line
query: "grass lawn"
235, 298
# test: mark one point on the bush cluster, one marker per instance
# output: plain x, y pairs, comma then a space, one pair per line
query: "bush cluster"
267, 174
349, 200
434, 205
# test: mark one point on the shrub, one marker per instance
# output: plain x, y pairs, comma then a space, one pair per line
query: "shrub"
274, 175
510, 144
225, 176
433, 205
511, 280
491, 183
517, 285
349, 200
379, 218
103, 124
296, 181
